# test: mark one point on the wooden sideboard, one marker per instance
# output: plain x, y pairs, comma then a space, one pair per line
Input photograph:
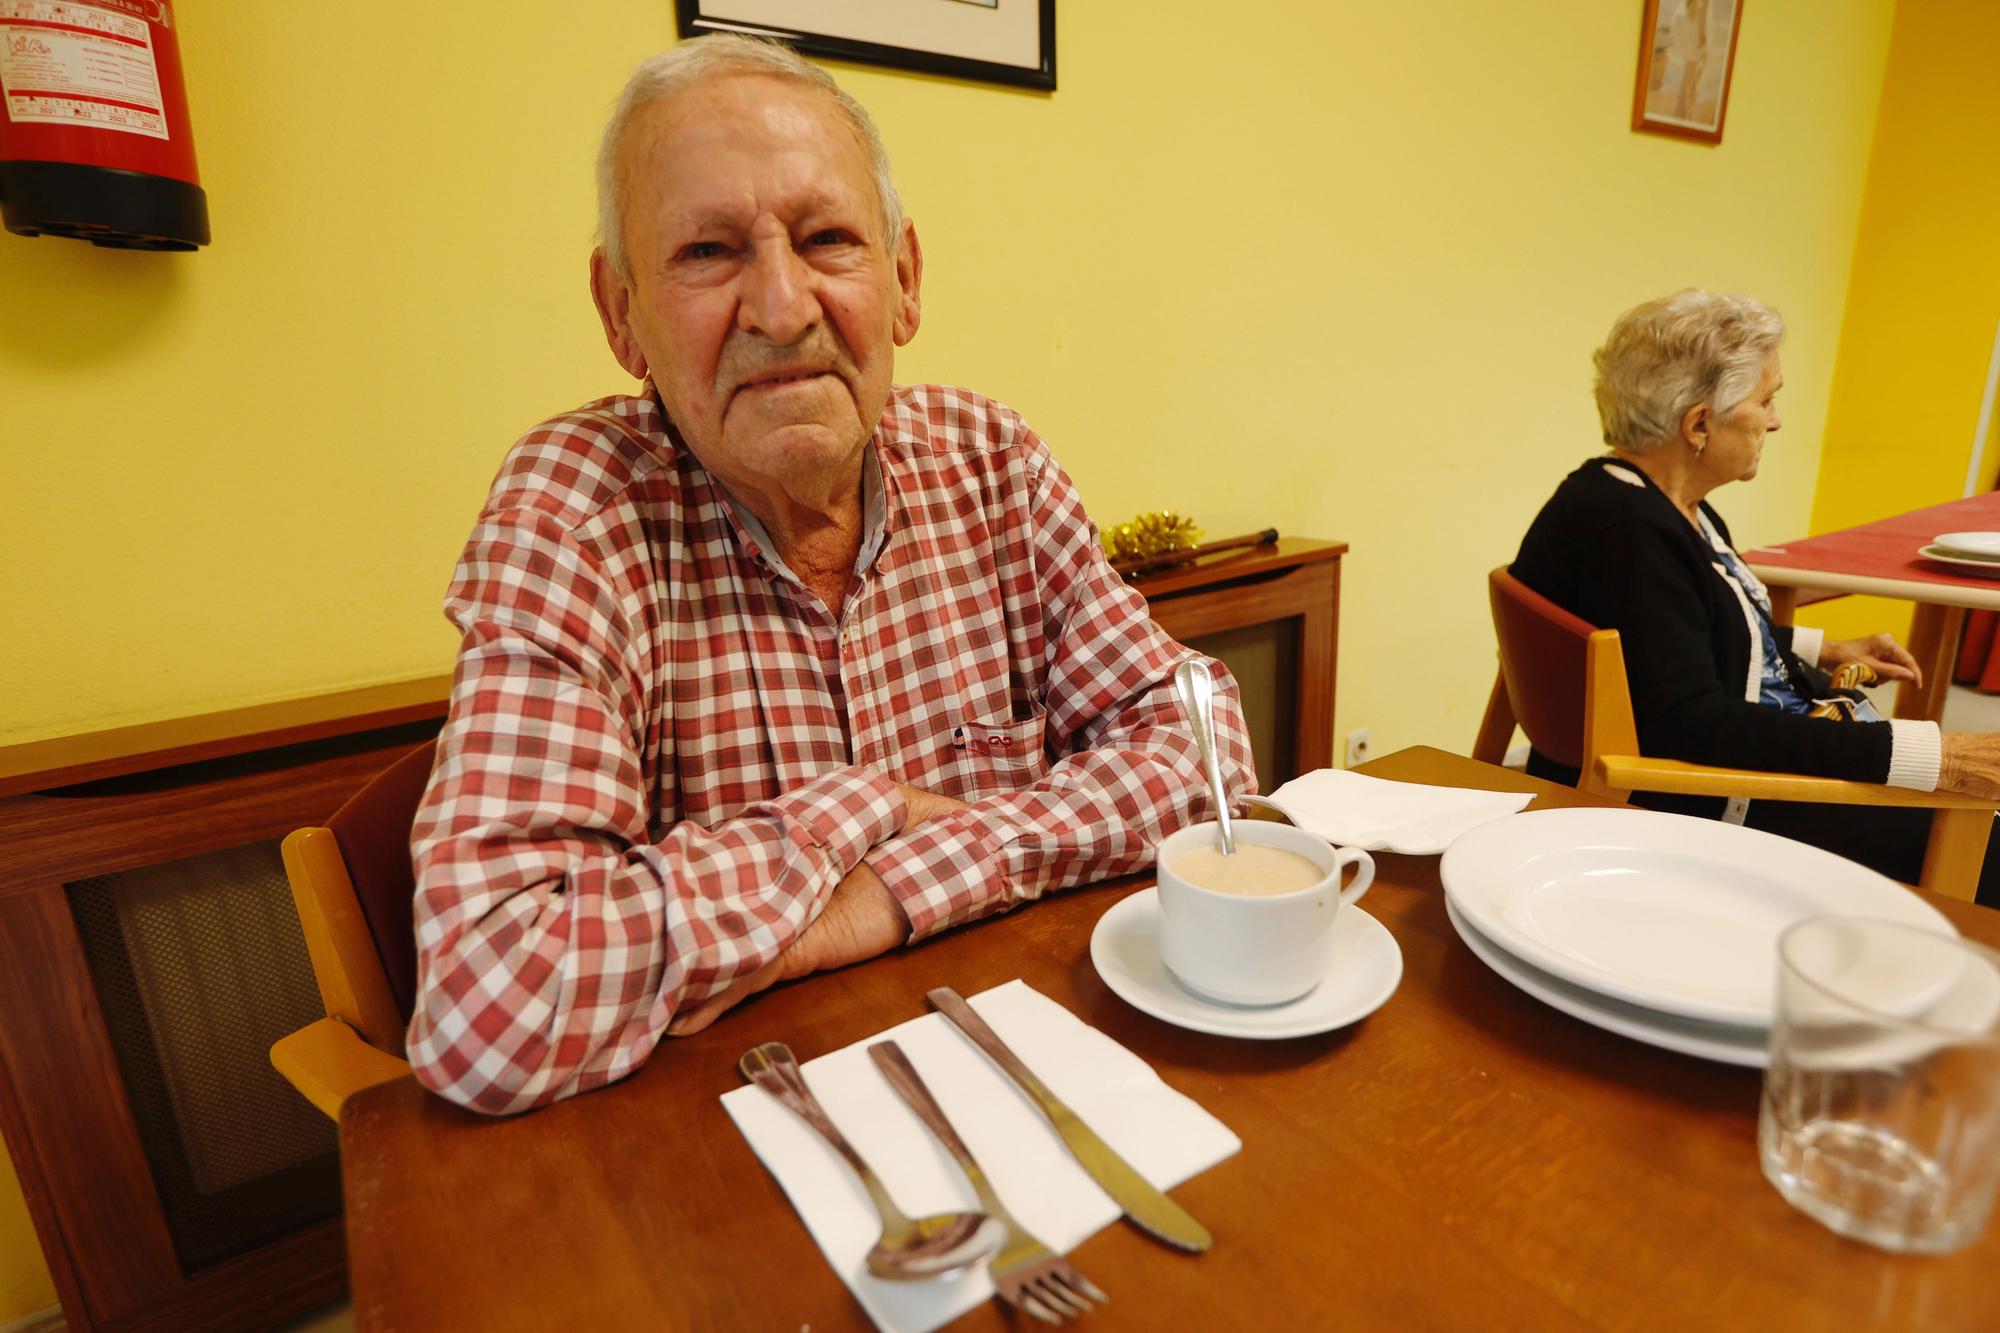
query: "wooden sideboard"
1288, 595
148, 954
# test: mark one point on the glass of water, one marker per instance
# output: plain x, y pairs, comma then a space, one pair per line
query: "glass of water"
1881, 1113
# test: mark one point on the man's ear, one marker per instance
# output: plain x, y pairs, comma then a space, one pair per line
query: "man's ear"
909, 282
613, 296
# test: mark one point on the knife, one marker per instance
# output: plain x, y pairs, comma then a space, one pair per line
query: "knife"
1153, 1211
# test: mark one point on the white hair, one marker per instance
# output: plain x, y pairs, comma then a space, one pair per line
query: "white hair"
681, 67
1680, 352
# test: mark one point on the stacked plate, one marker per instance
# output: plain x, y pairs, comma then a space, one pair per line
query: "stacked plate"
1973, 552
1662, 928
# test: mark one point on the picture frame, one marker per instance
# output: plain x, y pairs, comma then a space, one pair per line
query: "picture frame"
1687, 60
992, 41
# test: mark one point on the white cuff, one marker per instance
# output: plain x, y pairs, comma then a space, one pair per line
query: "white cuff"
1807, 640
1916, 754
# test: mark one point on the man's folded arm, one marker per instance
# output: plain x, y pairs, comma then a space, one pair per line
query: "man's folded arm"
556, 934
1130, 773
1096, 814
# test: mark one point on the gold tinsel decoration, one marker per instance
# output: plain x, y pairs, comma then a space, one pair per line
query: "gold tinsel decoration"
1148, 535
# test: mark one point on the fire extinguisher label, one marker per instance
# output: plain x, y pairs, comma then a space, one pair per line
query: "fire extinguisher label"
63, 62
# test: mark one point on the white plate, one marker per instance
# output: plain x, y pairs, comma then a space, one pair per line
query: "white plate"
1710, 1041
1125, 949
1970, 543
1669, 912
1984, 566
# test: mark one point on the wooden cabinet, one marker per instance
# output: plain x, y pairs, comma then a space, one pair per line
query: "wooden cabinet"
1272, 614
149, 953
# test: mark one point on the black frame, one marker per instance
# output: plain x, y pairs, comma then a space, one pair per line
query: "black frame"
692, 23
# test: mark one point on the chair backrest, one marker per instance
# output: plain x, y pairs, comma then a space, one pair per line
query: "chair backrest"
1542, 660
355, 890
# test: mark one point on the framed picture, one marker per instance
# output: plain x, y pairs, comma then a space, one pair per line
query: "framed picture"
1687, 54
997, 41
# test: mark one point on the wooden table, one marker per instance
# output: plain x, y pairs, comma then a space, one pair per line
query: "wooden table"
1465, 1158
1880, 560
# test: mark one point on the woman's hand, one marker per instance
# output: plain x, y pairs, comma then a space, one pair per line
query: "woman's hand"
1891, 660
1971, 764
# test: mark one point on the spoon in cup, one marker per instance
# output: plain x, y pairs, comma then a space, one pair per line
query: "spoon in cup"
910, 1249
1197, 694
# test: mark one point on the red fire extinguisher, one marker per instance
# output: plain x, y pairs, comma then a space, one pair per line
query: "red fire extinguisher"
94, 139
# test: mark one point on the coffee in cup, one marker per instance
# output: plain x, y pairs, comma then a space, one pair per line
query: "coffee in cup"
1255, 870
1246, 935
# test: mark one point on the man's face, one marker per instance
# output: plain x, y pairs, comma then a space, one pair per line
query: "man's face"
765, 301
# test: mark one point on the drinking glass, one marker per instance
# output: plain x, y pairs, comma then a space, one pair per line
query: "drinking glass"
1881, 1110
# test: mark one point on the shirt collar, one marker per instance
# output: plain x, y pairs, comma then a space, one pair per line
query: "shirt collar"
874, 520
874, 501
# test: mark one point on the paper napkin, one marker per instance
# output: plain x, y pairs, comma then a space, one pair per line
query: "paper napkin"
1377, 815
1166, 1137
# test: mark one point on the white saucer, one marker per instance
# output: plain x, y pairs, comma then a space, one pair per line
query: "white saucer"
1125, 949
1986, 567
1690, 1036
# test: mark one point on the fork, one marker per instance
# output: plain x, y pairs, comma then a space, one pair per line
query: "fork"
1026, 1274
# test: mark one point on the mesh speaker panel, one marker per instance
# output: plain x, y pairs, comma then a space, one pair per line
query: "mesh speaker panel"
199, 966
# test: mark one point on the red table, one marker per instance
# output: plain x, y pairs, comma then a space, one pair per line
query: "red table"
1880, 559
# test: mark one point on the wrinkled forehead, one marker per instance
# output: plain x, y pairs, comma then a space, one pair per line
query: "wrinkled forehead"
735, 127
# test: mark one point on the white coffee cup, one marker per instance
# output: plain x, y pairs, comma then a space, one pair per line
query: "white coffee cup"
1255, 948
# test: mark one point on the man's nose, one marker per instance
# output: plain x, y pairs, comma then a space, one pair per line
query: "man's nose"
776, 299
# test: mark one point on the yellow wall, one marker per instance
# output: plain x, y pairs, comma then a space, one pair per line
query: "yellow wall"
1925, 296
1336, 268
1333, 267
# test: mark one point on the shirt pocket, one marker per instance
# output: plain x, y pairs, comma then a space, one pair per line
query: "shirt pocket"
999, 756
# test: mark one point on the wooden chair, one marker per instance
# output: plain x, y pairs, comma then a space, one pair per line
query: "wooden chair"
1564, 683
353, 886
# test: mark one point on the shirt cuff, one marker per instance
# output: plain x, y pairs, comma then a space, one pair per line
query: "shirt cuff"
845, 812
1807, 640
1916, 754
940, 873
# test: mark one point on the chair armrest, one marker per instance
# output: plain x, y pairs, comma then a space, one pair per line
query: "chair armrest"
1636, 773
328, 1062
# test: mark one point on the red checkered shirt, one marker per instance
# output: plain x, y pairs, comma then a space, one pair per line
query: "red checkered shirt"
663, 754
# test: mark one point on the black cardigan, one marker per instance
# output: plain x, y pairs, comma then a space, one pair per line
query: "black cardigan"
1623, 557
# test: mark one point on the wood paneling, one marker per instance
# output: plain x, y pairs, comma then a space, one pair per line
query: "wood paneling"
64, 1108
58, 1062
116, 751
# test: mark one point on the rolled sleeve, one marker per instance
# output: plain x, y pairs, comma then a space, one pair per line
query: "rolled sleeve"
846, 812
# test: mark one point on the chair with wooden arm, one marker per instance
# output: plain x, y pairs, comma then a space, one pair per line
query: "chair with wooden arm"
1563, 682
354, 889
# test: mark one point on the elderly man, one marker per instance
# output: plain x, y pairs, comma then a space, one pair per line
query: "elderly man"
771, 666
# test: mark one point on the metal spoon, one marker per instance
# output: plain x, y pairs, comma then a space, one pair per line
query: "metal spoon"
1197, 691
910, 1248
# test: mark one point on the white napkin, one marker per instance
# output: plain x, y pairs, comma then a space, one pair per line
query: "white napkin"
1378, 815
1166, 1137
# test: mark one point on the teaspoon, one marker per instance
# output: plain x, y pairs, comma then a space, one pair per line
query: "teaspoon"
910, 1248
1197, 692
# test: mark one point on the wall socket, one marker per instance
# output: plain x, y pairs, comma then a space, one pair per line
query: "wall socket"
1357, 746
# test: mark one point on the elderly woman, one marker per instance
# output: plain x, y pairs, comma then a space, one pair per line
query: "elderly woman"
1687, 393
